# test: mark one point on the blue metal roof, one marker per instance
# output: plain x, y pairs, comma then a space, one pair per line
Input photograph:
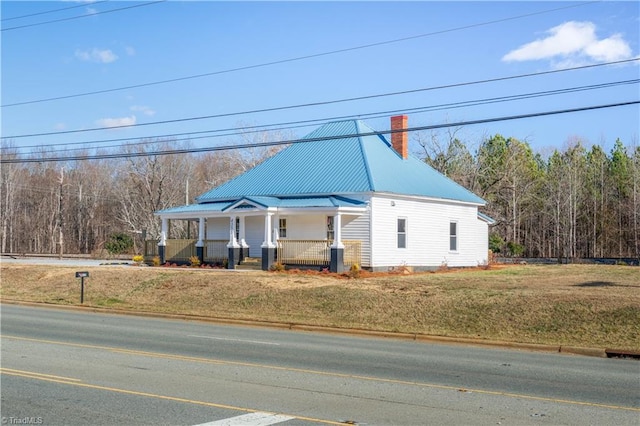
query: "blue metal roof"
320, 202
334, 159
486, 218
264, 202
208, 207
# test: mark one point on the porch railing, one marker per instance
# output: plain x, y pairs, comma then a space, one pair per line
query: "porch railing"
180, 250
316, 252
150, 250
215, 251
183, 250
289, 252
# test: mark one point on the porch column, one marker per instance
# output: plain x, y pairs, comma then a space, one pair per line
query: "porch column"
244, 247
276, 228
337, 248
268, 247
201, 238
233, 246
162, 245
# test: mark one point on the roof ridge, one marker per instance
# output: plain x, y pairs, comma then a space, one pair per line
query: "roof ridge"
365, 159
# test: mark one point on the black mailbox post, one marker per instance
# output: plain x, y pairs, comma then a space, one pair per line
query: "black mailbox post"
82, 276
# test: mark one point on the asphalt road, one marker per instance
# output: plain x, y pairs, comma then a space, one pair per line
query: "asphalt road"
77, 368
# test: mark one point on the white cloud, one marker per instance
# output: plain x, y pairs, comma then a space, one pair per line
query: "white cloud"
573, 43
611, 49
60, 126
117, 122
96, 55
130, 51
143, 109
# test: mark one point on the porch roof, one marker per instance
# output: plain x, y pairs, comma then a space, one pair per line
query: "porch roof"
263, 203
486, 218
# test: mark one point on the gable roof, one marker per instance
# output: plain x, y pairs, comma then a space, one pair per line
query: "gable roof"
342, 157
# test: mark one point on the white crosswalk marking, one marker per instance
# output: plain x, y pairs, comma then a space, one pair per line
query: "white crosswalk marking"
251, 419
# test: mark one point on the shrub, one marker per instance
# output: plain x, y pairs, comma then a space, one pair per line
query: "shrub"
515, 249
496, 243
354, 271
278, 267
156, 260
194, 261
118, 243
138, 258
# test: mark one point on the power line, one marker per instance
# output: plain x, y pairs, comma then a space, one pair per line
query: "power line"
81, 16
53, 10
299, 58
335, 101
292, 141
305, 123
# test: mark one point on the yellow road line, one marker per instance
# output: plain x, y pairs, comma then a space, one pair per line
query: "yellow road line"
76, 382
37, 375
329, 374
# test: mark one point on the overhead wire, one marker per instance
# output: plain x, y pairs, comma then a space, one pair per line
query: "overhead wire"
299, 58
306, 140
189, 136
81, 16
321, 103
53, 10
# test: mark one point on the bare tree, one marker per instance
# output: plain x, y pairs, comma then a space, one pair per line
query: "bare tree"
8, 188
149, 183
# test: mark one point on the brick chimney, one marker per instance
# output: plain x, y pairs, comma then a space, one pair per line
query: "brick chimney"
400, 140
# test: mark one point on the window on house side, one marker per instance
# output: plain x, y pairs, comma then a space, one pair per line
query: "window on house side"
330, 231
453, 236
402, 233
282, 228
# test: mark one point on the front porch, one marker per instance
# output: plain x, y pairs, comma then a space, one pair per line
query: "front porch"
301, 231
298, 253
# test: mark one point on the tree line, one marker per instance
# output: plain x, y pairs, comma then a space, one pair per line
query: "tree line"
574, 202
79, 206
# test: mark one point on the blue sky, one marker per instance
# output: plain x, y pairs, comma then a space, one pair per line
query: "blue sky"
411, 45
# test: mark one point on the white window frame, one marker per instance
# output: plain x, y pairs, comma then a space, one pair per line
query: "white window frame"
454, 237
404, 233
331, 230
282, 227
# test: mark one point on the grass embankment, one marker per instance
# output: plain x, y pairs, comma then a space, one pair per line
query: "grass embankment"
574, 305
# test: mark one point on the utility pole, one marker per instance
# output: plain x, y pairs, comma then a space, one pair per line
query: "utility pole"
60, 216
186, 201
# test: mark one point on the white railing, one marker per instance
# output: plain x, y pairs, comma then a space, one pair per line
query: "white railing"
316, 252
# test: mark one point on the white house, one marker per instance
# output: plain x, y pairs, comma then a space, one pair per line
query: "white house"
341, 195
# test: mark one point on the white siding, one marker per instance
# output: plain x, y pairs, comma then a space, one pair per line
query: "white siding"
306, 227
427, 234
482, 241
217, 228
358, 228
254, 234
314, 227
